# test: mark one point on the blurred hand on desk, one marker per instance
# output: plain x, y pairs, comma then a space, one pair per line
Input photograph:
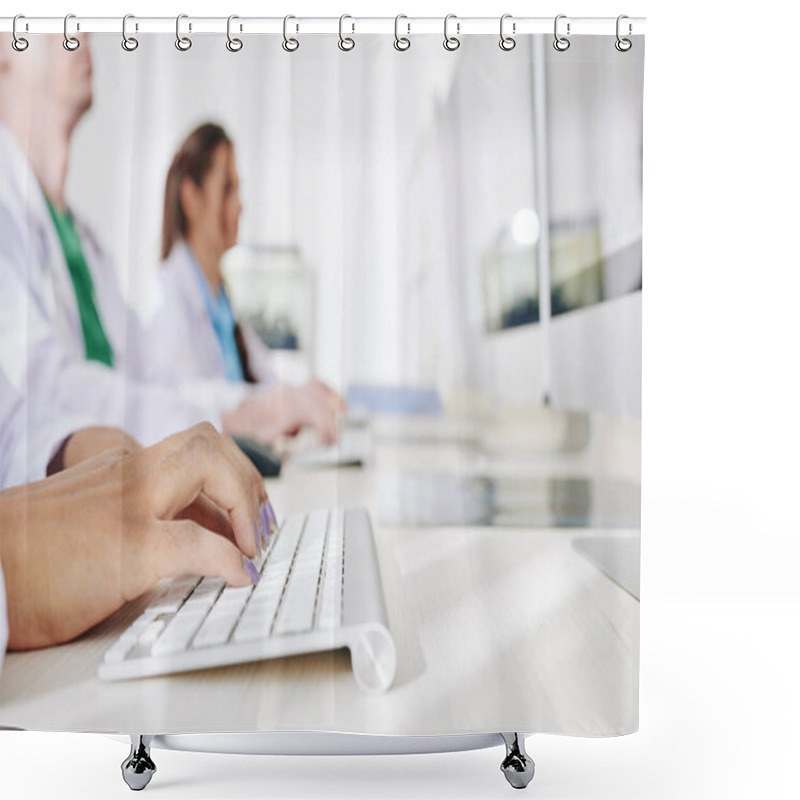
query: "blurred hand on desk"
283, 410
78, 545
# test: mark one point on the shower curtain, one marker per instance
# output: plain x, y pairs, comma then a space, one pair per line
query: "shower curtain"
450, 239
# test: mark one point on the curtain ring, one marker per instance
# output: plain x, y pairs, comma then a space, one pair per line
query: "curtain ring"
346, 43
401, 43
19, 43
233, 44
507, 42
70, 42
289, 45
561, 43
129, 43
451, 42
623, 44
183, 43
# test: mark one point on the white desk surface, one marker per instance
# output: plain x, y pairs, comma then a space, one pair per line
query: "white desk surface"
496, 629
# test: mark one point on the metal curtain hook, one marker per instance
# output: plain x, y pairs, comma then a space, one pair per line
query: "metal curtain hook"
561, 43
451, 42
507, 42
401, 42
19, 43
289, 45
70, 42
129, 43
183, 43
234, 45
346, 43
623, 44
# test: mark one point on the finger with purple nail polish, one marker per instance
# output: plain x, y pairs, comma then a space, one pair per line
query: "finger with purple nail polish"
251, 569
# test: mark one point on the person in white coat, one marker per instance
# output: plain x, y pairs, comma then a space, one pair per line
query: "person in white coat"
195, 335
67, 337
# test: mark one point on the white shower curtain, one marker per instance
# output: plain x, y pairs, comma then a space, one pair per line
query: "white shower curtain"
452, 241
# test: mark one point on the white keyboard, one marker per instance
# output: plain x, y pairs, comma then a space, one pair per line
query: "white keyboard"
353, 448
319, 589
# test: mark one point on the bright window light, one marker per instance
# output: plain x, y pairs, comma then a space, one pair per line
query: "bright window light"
525, 227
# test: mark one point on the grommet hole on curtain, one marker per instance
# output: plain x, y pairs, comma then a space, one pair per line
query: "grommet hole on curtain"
71, 43
19, 43
129, 43
233, 44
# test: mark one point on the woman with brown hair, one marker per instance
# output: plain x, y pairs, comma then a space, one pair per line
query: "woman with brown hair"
196, 335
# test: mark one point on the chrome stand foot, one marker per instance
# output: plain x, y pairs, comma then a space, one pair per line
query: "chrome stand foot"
517, 766
138, 768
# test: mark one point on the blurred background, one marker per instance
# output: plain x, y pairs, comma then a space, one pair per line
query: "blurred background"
464, 221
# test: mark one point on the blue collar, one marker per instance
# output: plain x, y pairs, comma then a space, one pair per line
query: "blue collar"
221, 315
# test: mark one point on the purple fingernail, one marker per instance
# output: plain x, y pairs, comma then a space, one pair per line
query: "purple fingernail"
273, 521
262, 513
251, 569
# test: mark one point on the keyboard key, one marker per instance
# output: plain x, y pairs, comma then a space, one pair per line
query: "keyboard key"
137, 627
330, 598
177, 635
328, 622
287, 538
215, 630
297, 608
330, 608
168, 605
173, 596
272, 591
233, 599
252, 628
260, 611
273, 581
151, 632
198, 604
211, 586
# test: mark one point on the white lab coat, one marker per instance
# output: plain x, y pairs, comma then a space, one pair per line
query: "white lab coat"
184, 345
52, 388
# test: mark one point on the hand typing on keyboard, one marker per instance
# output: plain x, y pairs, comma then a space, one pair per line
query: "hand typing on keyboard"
319, 590
283, 410
78, 545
